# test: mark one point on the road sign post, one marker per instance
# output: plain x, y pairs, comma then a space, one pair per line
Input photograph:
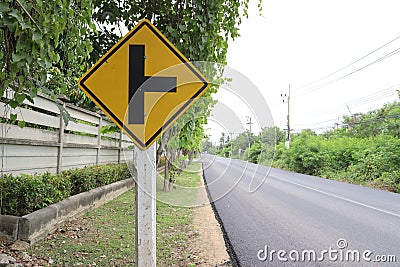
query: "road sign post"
144, 84
145, 193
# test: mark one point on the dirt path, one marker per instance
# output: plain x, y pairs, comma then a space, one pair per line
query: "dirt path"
208, 244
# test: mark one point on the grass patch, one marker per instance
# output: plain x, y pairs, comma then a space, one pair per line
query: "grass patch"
106, 235
185, 189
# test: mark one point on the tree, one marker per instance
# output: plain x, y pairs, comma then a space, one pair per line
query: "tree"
240, 143
208, 146
43, 46
385, 120
222, 141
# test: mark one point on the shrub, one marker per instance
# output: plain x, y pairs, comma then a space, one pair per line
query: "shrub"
391, 180
254, 152
306, 154
372, 161
91, 177
23, 194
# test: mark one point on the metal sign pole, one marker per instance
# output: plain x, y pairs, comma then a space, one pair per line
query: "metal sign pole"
145, 162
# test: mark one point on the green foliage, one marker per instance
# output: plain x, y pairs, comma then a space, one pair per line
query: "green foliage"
200, 30
390, 181
24, 194
371, 161
240, 144
247, 146
365, 151
91, 177
208, 146
385, 120
306, 154
380, 155
255, 152
109, 129
43, 45
108, 232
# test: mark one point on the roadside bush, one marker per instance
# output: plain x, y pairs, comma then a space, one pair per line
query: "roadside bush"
23, 194
280, 156
377, 156
391, 181
372, 161
91, 177
254, 152
306, 154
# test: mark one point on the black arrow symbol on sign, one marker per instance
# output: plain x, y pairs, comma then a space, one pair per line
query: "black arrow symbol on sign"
140, 84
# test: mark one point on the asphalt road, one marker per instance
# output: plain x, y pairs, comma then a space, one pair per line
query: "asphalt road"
273, 217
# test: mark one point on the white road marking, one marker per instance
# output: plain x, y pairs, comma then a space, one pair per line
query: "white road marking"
339, 197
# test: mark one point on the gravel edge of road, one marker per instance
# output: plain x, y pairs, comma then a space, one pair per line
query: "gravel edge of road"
231, 252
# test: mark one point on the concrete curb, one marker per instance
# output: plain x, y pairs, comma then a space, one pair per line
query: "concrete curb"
38, 224
9, 225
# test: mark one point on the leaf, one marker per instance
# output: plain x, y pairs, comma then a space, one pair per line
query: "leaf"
21, 124
17, 57
109, 129
36, 36
25, 25
13, 104
32, 94
47, 63
4, 7
15, 14
41, 63
13, 117
182, 27
65, 114
19, 98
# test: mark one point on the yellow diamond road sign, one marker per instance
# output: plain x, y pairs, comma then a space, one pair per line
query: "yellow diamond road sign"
143, 83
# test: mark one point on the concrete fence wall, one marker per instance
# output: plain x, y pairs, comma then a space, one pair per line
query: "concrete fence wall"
46, 144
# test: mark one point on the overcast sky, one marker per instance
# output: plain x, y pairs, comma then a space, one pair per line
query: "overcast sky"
298, 42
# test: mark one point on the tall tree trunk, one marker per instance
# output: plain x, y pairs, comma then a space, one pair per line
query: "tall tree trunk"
172, 174
169, 158
191, 156
160, 149
182, 166
166, 173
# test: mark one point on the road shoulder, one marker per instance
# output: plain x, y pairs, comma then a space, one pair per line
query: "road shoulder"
208, 242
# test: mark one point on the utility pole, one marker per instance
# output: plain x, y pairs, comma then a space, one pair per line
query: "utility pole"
231, 134
286, 99
249, 123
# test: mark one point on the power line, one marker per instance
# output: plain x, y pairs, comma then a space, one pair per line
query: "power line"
348, 65
321, 122
373, 100
352, 124
373, 120
375, 96
311, 89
